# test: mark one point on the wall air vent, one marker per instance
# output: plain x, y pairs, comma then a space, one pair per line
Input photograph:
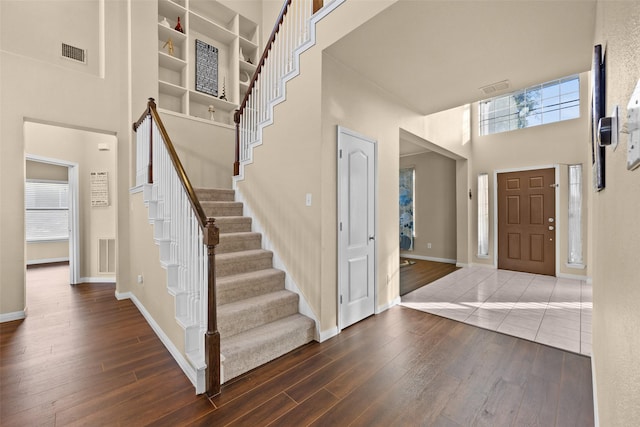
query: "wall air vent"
74, 53
495, 87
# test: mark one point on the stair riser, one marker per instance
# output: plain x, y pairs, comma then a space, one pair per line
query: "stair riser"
231, 291
233, 227
217, 211
240, 321
245, 361
228, 245
215, 195
229, 267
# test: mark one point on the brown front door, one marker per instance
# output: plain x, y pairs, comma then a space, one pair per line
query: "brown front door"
526, 221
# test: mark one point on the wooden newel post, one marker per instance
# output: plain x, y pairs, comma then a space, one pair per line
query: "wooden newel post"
212, 337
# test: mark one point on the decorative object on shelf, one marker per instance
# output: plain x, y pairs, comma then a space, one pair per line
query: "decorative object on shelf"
211, 111
224, 83
170, 44
244, 77
241, 54
165, 23
248, 59
207, 68
179, 26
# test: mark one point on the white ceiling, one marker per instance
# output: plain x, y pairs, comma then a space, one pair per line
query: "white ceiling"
435, 55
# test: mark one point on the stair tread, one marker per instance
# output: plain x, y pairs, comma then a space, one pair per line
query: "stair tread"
255, 337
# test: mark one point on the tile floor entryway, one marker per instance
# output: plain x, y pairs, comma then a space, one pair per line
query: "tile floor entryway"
544, 309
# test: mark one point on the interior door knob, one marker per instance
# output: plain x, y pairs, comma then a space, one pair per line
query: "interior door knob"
372, 237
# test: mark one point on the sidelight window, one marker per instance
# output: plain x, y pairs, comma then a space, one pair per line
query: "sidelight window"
483, 215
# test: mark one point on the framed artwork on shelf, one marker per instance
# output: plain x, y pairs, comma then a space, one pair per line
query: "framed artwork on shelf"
206, 68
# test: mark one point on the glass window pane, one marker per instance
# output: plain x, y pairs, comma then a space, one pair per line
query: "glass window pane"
575, 215
483, 214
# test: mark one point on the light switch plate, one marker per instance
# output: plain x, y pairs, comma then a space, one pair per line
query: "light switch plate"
308, 199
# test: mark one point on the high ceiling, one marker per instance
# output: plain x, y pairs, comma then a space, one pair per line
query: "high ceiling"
435, 55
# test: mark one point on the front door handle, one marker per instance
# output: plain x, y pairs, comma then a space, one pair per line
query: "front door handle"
551, 228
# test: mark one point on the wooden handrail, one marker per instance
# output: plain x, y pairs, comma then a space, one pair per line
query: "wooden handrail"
211, 238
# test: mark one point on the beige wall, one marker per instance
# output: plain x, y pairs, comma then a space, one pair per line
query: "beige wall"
35, 86
616, 235
152, 293
206, 151
561, 143
434, 207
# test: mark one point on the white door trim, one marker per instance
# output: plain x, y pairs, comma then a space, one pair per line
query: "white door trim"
340, 132
74, 219
558, 220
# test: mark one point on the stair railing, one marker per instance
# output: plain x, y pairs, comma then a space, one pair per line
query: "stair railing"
292, 30
191, 238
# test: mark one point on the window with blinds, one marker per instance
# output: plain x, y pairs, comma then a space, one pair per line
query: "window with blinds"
46, 210
541, 104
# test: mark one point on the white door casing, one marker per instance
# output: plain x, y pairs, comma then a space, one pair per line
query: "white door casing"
74, 212
356, 227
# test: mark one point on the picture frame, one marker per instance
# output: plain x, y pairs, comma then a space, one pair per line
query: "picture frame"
206, 68
597, 112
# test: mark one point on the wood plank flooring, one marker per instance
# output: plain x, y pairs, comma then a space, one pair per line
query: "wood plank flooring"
84, 358
422, 273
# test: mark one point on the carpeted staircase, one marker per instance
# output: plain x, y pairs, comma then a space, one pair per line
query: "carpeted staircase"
258, 318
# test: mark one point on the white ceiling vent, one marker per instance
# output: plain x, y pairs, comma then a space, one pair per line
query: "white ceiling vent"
74, 53
495, 87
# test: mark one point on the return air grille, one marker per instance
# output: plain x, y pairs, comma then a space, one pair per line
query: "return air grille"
74, 53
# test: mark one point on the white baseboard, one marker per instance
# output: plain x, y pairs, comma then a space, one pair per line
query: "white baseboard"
47, 261
186, 367
108, 279
330, 333
10, 317
596, 418
463, 264
388, 305
428, 258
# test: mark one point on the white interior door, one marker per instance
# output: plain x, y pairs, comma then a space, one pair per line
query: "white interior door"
356, 227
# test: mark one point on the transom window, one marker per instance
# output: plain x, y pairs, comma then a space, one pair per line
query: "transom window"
541, 104
46, 211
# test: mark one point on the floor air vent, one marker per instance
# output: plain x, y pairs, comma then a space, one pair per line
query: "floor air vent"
74, 53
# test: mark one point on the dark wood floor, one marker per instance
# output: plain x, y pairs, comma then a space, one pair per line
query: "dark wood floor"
84, 358
421, 273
